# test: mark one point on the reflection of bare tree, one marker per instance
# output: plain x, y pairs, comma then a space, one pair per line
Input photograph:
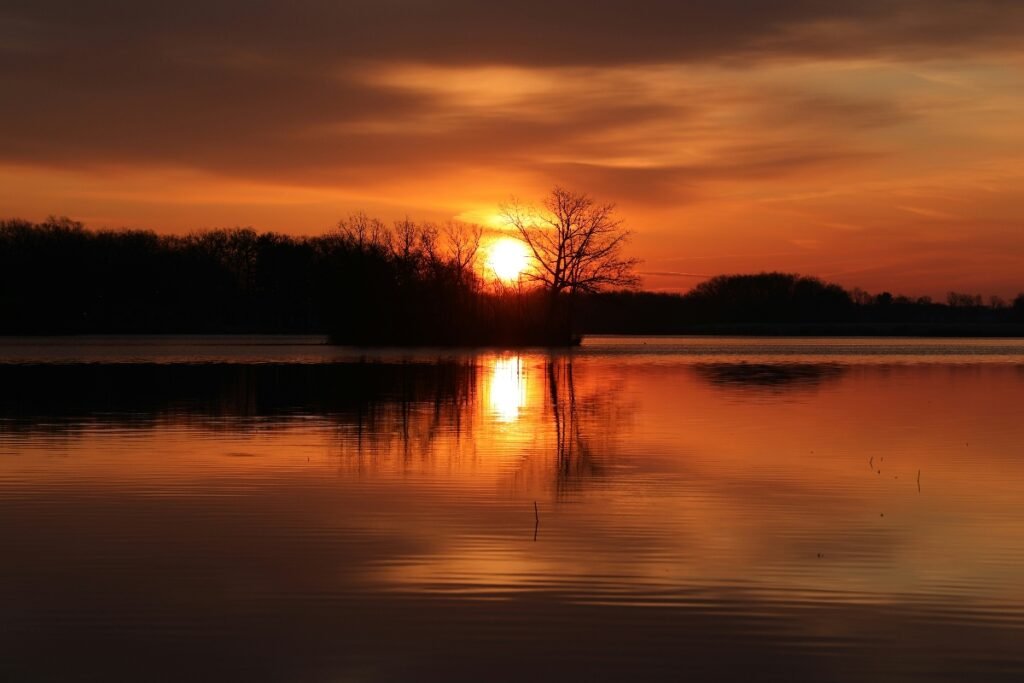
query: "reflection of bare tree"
576, 418
431, 426
469, 416
407, 416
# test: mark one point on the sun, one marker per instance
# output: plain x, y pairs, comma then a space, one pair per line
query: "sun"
507, 258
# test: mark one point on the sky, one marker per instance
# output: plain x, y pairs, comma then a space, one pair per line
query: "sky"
877, 144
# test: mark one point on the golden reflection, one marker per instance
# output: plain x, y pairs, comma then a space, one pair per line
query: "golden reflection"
507, 388
854, 483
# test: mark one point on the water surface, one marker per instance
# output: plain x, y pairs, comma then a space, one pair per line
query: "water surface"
661, 508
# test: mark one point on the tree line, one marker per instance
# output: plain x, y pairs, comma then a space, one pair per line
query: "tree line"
408, 283
366, 282
787, 303
418, 283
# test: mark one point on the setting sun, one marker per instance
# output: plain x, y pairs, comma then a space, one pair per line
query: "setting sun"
507, 258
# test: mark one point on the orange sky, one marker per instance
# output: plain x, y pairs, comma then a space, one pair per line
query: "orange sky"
877, 144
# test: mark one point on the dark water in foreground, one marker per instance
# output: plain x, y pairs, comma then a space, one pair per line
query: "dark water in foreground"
710, 509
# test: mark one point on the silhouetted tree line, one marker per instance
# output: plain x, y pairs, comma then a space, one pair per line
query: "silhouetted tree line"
364, 283
784, 303
57, 277
408, 283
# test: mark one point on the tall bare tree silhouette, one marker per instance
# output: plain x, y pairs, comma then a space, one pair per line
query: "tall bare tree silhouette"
577, 243
577, 246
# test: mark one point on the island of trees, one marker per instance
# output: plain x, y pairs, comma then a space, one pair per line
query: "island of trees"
419, 283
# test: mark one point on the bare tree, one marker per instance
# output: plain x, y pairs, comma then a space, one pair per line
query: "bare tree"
362, 231
405, 240
463, 245
577, 243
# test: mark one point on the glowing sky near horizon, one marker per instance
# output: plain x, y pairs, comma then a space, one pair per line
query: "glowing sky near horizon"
879, 145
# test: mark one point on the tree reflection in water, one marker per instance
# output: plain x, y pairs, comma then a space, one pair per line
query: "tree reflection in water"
586, 424
524, 416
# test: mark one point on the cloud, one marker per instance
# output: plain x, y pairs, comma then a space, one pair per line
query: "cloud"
319, 92
533, 32
651, 133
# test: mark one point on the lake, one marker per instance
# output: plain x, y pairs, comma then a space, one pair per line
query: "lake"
275, 508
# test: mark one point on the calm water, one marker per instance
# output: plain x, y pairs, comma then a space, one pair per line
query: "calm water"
274, 508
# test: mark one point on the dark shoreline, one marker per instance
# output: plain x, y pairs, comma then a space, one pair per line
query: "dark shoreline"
924, 330
59, 278
795, 330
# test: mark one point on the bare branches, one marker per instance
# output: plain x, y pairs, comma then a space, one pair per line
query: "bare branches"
421, 246
362, 231
463, 243
576, 243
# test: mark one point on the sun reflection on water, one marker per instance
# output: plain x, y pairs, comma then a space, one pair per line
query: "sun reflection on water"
507, 388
